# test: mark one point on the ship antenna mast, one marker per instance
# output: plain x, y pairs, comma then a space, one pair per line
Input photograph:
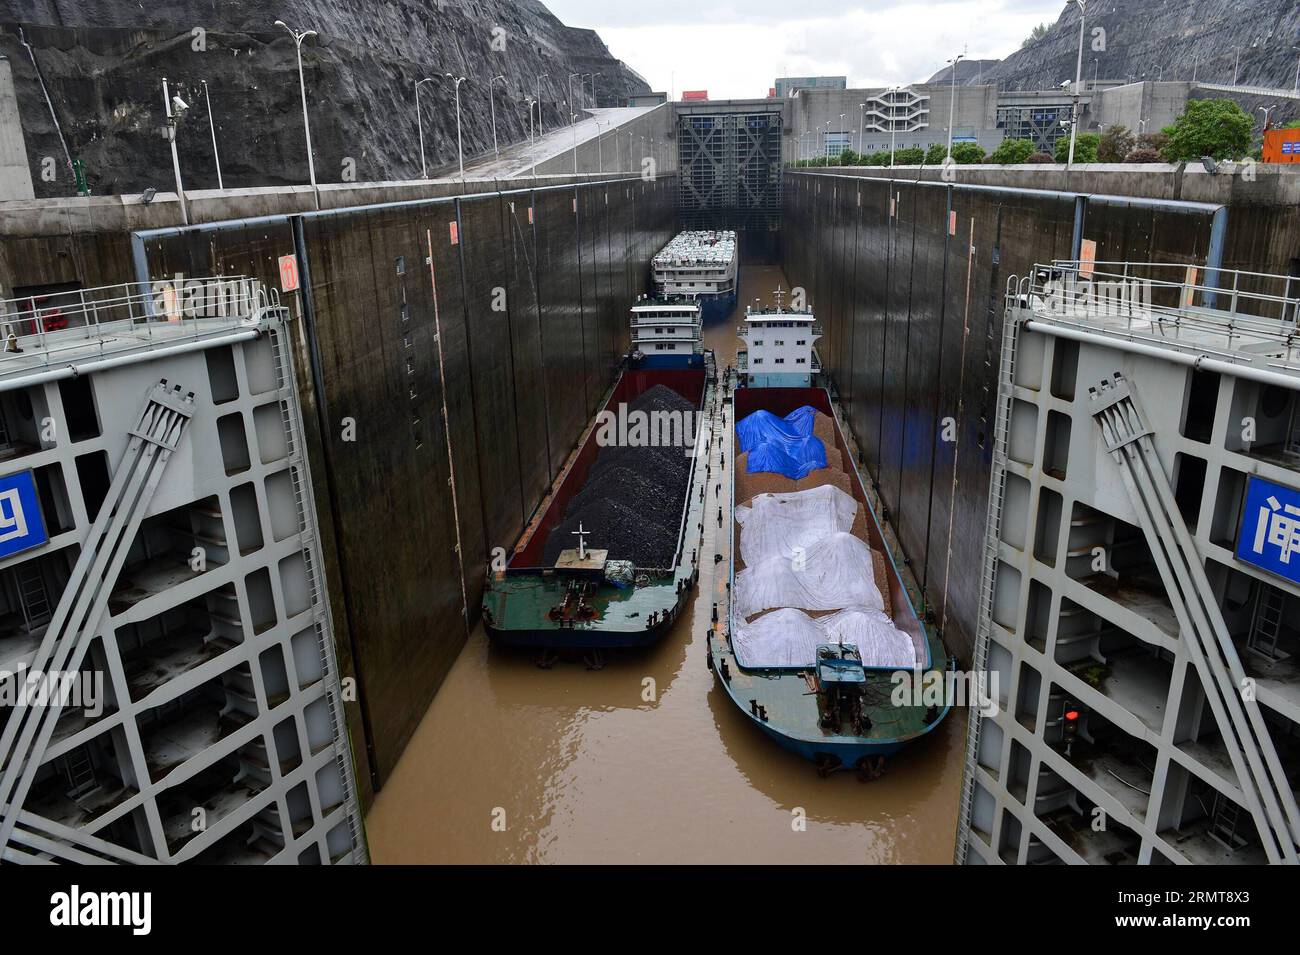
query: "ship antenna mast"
779, 294
582, 541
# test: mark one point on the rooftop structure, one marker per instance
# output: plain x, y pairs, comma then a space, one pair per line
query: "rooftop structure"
1138, 573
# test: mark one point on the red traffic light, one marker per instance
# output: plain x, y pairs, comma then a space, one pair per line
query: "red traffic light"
1071, 715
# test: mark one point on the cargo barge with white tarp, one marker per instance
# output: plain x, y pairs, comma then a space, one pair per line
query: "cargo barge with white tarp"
820, 645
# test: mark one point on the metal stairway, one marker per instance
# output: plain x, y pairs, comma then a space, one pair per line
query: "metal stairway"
1263, 781
76, 619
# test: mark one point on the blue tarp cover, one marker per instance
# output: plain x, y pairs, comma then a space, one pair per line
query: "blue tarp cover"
764, 426
781, 445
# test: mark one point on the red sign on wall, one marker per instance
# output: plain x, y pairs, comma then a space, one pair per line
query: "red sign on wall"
288, 273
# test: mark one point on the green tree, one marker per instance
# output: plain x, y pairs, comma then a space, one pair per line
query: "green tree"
1085, 148
878, 159
935, 154
848, 157
1217, 128
1012, 151
1037, 33
1115, 143
912, 156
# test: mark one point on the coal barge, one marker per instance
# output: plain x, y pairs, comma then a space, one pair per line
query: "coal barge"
820, 646
612, 555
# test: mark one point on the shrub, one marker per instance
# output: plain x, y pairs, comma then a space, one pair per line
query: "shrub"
1012, 151
1115, 143
1142, 155
1085, 148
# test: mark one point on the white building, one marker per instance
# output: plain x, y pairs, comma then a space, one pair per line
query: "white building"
161, 590
1140, 610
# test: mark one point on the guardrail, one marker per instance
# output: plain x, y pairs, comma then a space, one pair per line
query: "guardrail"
58, 322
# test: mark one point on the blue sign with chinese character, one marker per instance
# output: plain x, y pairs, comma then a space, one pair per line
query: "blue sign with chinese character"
1270, 529
21, 524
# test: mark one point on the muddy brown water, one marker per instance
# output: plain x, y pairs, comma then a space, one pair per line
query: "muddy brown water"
645, 760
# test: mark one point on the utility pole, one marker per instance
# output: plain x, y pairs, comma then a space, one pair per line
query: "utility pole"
176, 159
952, 99
1078, 78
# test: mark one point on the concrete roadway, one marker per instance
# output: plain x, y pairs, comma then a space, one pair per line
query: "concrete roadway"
518, 158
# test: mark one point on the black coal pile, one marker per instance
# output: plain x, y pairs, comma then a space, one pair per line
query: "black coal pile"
632, 500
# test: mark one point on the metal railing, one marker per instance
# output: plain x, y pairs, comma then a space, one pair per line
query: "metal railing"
58, 322
1172, 296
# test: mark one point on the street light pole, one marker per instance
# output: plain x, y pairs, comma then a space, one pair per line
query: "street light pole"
1296, 87
892, 128
952, 100
460, 149
600, 153
216, 156
573, 117
595, 100
419, 122
492, 101
1078, 77
298, 37
862, 127
532, 145
572, 123
842, 132
543, 76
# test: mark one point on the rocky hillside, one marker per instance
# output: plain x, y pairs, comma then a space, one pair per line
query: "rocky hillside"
1161, 39
103, 62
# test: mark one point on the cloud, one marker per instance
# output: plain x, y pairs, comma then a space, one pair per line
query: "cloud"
736, 50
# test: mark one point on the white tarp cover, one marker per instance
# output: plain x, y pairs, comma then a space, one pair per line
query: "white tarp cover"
789, 638
780, 525
833, 573
782, 638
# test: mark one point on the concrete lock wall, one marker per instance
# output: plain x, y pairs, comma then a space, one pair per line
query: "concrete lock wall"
527, 297
912, 306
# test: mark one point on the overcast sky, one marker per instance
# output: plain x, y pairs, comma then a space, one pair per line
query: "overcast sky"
735, 49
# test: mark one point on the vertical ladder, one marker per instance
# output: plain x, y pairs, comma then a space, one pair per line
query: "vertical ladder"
77, 618
992, 526
1224, 820
1114, 405
1266, 623
80, 770
1293, 428
32, 594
